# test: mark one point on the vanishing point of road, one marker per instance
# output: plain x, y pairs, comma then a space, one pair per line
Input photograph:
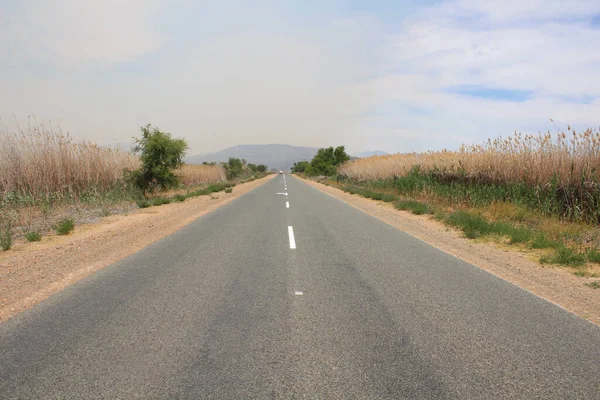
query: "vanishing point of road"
288, 293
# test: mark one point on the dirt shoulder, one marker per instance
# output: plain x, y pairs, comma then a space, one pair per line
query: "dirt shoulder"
31, 272
551, 283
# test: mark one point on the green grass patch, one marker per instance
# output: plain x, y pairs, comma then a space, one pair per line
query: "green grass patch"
33, 236
179, 198
565, 256
413, 206
159, 201
593, 256
541, 241
580, 272
228, 190
64, 226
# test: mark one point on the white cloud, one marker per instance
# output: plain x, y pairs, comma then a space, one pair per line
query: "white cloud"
546, 47
264, 74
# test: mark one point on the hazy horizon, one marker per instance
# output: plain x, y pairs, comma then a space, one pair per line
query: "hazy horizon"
394, 76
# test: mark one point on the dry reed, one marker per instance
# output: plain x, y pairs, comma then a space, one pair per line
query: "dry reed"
195, 175
563, 160
41, 161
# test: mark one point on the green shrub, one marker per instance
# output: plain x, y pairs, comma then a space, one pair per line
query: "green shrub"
143, 204
33, 236
160, 155
5, 239
179, 198
64, 226
228, 190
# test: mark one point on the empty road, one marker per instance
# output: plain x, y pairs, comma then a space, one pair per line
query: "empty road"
288, 293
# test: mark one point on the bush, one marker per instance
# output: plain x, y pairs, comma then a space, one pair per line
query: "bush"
179, 198
160, 155
228, 190
64, 226
143, 204
33, 236
5, 239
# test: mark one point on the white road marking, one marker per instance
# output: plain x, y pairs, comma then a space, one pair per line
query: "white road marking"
292, 240
287, 204
297, 293
285, 194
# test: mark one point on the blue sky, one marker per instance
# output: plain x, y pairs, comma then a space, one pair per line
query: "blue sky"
389, 75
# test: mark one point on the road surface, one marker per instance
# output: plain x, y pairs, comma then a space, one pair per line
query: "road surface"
296, 296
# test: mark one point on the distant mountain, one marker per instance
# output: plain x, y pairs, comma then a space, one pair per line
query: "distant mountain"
274, 156
366, 154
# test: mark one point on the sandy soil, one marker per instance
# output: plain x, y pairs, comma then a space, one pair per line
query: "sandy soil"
31, 272
551, 283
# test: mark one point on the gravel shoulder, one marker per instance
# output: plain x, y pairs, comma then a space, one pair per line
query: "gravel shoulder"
32, 272
551, 283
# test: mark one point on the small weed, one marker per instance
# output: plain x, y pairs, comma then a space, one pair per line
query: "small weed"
33, 236
439, 215
594, 284
228, 190
413, 206
594, 275
105, 212
5, 239
179, 198
64, 226
580, 272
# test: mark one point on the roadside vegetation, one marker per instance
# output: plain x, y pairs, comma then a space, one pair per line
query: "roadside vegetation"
324, 163
540, 193
50, 182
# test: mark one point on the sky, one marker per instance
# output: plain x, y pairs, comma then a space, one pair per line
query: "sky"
397, 76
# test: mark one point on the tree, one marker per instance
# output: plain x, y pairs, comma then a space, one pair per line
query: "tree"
160, 155
234, 168
340, 155
325, 162
253, 167
300, 166
261, 168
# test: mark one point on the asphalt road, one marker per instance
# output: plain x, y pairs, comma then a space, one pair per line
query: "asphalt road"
226, 309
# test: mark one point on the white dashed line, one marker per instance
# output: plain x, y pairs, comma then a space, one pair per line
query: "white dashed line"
297, 293
292, 240
287, 204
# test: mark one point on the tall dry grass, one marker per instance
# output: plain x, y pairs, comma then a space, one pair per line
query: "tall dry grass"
567, 159
557, 174
39, 161
195, 175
